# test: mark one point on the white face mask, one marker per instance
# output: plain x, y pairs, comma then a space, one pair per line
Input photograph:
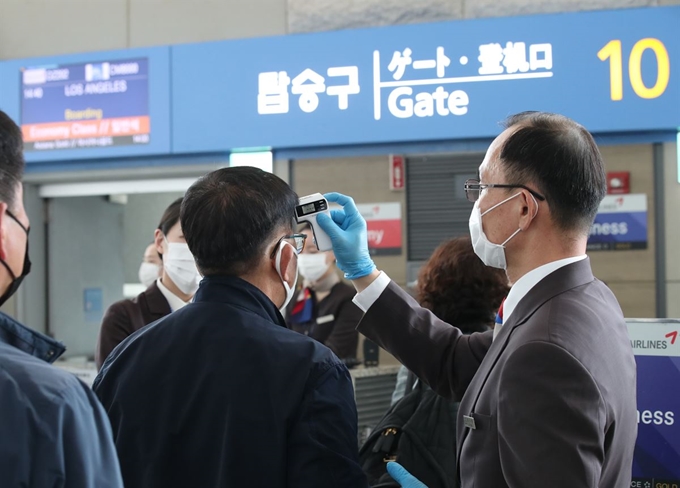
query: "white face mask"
149, 273
313, 266
179, 263
290, 291
491, 254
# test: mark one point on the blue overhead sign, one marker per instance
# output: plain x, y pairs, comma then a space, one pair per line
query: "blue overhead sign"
613, 71
616, 72
85, 105
90, 106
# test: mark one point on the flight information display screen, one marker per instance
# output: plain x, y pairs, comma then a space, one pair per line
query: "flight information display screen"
85, 105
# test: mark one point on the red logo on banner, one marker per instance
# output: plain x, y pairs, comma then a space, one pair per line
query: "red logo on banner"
397, 172
618, 182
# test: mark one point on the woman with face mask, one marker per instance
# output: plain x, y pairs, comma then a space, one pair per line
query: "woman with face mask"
323, 308
171, 291
152, 266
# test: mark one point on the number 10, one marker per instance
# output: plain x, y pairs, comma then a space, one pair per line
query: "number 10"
612, 51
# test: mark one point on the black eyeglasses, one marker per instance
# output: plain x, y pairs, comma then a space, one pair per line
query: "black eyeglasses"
299, 245
474, 187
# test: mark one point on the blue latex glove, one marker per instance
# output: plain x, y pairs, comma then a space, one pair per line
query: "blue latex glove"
347, 230
403, 477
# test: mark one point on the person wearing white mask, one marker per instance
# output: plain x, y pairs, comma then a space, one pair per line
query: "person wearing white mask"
171, 291
222, 393
323, 308
548, 398
152, 266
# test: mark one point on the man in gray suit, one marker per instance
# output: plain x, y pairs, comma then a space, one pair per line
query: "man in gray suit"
548, 398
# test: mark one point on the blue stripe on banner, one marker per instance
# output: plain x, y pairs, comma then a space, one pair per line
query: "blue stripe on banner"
626, 227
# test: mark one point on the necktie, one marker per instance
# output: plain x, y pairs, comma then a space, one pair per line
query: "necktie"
499, 320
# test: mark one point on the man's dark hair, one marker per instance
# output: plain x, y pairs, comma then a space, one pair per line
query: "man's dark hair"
11, 159
230, 215
170, 216
561, 159
457, 287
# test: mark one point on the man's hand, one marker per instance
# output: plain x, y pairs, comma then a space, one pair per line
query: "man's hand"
403, 477
347, 230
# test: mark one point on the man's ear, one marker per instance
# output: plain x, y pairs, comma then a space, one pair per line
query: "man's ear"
288, 263
3, 231
158, 241
529, 210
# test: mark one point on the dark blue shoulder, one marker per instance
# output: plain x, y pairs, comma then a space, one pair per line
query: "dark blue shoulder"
32, 381
29, 341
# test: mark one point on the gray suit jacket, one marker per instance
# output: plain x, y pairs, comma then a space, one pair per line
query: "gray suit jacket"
551, 402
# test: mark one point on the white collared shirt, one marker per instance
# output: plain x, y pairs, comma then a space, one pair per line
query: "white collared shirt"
369, 295
527, 282
372, 292
174, 301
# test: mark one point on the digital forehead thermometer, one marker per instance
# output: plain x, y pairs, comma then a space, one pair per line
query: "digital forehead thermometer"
306, 211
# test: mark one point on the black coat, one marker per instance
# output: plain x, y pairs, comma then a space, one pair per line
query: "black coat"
222, 394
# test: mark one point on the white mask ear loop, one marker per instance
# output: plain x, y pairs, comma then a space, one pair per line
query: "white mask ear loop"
535, 203
511, 236
500, 203
290, 290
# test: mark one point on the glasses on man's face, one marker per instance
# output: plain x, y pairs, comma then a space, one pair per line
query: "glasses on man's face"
473, 188
310, 247
298, 243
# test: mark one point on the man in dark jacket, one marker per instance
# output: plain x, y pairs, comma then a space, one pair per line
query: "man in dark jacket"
221, 393
53, 431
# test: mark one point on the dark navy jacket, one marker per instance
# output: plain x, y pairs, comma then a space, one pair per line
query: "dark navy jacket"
221, 394
53, 431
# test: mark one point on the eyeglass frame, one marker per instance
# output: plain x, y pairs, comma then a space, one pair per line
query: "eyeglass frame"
484, 186
298, 249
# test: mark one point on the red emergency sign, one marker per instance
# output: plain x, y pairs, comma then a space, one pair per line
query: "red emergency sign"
397, 172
